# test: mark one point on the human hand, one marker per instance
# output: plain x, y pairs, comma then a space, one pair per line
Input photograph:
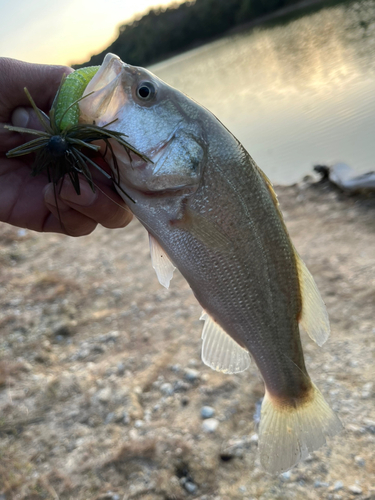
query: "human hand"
30, 202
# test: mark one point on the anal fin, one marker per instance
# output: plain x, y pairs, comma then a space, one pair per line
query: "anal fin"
161, 263
219, 351
314, 316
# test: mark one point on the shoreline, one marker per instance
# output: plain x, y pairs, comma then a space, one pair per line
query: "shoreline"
101, 377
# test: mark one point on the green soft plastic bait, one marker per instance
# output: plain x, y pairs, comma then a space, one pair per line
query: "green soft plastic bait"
67, 108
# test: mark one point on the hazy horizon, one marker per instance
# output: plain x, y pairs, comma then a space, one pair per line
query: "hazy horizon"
64, 31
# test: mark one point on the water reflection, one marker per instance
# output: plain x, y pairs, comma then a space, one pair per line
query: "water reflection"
294, 94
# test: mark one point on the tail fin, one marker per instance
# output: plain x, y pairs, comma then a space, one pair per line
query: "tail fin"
287, 434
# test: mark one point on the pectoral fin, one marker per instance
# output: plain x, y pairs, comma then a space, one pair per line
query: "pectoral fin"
219, 351
161, 263
314, 317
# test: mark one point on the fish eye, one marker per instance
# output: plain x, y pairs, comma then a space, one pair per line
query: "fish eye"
146, 91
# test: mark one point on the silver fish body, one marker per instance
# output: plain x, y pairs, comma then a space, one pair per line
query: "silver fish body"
214, 214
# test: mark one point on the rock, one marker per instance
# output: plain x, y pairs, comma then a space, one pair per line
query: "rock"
175, 368
338, 486
104, 395
121, 415
254, 438
181, 386
120, 368
207, 412
110, 418
210, 425
190, 487
367, 390
191, 375
167, 389
359, 461
109, 337
258, 407
320, 484
285, 476
355, 489
97, 349
369, 425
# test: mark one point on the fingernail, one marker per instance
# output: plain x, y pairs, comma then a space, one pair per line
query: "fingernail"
20, 117
86, 197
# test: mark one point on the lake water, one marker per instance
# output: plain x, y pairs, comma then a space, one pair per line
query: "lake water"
295, 93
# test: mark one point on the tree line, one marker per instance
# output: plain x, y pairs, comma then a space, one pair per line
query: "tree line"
163, 32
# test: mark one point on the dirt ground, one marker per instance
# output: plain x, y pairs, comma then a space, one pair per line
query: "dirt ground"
102, 388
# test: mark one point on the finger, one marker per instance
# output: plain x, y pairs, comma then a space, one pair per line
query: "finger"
104, 205
24, 118
42, 81
68, 221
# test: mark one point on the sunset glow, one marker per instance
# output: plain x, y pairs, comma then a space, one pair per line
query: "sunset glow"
64, 31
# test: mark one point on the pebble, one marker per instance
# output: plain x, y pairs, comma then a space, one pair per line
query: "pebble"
191, 375
104, 395
210, 425
110, 418
258, 406
121, 415
285, 476
370, 425
109, 337
254, 438
359, 461
120, 368
207, 412
181, 386
166, 388
190, 487
320, 484
356, 490
175, 368
338, 486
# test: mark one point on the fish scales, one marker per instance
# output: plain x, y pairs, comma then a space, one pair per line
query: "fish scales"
213, 213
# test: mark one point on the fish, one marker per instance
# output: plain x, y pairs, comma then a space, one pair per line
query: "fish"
213, 214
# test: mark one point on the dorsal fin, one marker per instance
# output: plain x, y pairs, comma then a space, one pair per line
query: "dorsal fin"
219, 351
161, 263
314, 316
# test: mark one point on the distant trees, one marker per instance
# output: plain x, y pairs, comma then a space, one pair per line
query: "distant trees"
163, 32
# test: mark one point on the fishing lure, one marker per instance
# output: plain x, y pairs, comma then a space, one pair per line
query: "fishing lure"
59, 146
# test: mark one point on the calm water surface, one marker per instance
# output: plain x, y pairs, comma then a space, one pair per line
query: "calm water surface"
295, 94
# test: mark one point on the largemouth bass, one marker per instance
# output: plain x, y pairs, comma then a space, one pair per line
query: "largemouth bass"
212, 213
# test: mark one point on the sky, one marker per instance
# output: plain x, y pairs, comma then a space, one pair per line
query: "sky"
64, 31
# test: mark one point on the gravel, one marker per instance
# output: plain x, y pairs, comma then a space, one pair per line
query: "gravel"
115, 406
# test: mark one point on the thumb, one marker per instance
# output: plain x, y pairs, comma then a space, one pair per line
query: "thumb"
25, 118
21, 117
